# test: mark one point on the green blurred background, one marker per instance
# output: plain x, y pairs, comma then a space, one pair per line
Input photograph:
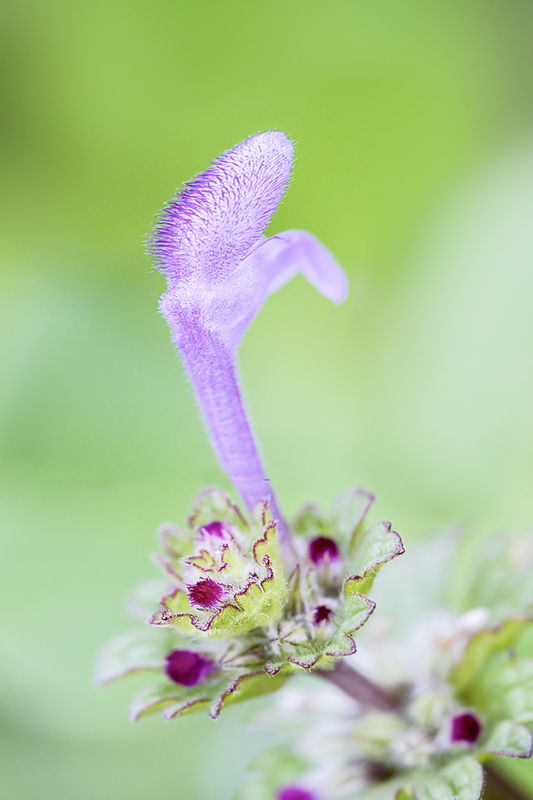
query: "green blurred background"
415, 166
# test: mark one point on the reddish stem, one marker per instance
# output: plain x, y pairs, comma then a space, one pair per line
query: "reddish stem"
362, 689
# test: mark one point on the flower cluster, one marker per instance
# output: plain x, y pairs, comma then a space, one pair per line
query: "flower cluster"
247, 599
467, 694
232, 623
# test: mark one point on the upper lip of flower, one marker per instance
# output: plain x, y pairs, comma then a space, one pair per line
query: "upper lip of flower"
220, 269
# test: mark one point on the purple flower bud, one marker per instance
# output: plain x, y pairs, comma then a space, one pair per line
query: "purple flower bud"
465, 728
206, 593
215, 529
213, 535
321, 548
187, 667
322, 614
295, 793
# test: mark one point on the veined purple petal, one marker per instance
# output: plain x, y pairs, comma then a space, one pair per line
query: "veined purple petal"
220, 269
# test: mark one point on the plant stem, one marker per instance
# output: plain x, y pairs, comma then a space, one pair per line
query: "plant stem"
498, 788
362, 689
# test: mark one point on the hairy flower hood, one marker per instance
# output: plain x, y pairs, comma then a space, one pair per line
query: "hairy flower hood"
210, 244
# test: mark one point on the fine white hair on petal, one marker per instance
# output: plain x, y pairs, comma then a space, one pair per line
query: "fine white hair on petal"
214, 221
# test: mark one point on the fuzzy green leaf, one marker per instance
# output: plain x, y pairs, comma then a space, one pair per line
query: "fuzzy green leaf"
178, 605
224, 688
348, 513
175, 541
502, 578
509, 739
277, 767
371, 549
134, 651
267, 547
481, 647
213, 504
518, 679
310, 523
504, 690
248, 686
324, 650
181, 699
460, 780
257, 605
355, 611
302, 656
145, 598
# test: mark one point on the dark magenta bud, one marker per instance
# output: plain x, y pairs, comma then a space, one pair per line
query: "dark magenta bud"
215, 529
465, 728
295, 793
323, 547
213, 535
187, 667
205, 593
322, 614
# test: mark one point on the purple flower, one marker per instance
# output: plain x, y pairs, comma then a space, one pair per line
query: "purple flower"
187, 667
465, 728
220, 269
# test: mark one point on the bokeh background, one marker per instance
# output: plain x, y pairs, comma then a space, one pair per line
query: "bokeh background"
415, 166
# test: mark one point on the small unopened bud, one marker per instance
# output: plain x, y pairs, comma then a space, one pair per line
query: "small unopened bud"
322, 614
187, 667
215, 528
465, 728
321, 548
206, 593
